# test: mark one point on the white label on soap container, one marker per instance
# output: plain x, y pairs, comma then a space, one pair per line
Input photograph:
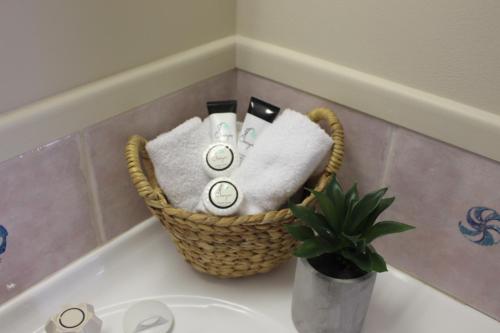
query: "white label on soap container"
223, 194
220, 157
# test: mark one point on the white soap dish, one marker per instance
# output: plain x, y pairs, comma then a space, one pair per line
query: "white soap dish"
148, 316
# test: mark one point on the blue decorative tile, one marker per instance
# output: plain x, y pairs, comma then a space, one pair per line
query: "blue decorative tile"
3, 239
483, 226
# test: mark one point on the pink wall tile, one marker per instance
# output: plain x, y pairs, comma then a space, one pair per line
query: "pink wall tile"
120, 204
44, 205
435, 184
366, 138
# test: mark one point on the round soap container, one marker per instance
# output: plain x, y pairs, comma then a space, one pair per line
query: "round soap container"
222, 197
220, 159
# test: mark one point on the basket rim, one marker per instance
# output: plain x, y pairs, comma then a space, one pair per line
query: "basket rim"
155, 198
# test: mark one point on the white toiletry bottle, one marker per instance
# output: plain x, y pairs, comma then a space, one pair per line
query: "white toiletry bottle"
221, 158
222, 115
260, 115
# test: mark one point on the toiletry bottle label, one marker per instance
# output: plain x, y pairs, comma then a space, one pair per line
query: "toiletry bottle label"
247, 138
223, 132
222, 116
223, 194
252, 128
223, 128
220, 157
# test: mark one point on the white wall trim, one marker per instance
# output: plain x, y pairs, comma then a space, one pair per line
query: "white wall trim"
30, 126
461, 125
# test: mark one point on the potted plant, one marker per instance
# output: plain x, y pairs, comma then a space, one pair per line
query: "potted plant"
337, 264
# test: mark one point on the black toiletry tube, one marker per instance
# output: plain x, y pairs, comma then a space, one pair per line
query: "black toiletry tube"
262, 109
228, 106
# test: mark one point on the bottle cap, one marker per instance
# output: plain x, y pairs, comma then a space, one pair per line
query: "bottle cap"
222, 197
220, 159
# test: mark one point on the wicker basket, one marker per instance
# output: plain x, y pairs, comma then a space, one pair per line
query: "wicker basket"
227, 246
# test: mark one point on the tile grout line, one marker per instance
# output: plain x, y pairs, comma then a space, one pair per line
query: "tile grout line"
389, 156
88, 170
236, 90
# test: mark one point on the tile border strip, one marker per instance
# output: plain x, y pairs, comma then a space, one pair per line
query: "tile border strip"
462, 125
30, 126
458, 124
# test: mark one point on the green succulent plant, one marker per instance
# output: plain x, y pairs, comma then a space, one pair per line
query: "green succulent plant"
344, 226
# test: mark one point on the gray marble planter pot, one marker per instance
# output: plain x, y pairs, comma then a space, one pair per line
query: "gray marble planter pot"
323, 304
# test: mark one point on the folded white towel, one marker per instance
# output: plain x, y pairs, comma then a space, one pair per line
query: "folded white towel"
177, 158
283, 158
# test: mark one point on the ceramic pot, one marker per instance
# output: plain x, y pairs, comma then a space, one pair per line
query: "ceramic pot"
323, 304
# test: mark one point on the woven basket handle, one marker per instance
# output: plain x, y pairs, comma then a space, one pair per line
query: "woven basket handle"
135, 151
337, 135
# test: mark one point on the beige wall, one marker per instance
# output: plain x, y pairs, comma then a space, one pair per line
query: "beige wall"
431, 66
53, 45
449, 48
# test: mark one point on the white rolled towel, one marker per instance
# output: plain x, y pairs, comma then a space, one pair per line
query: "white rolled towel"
284, 156
177, 158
